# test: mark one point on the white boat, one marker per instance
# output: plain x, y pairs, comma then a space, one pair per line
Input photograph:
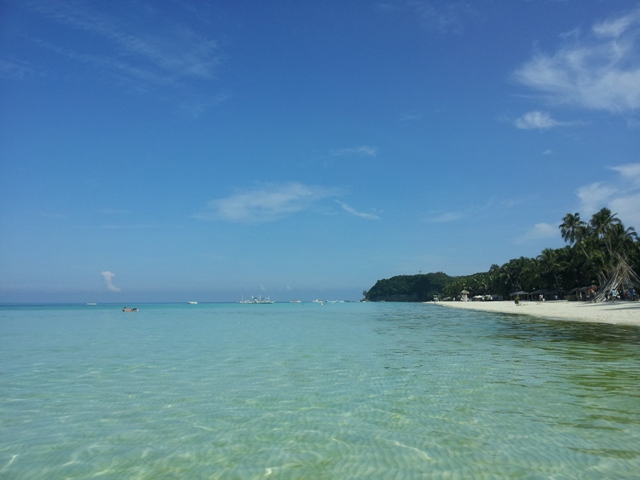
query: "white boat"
259, 301
192, 303
296, 301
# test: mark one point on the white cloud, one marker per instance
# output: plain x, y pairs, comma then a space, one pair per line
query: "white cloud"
629, 172
621, 196
626, 208
599, 73
353, 211
265, 203
539, 231
595, 196
615, 27
361, 151
536, 120
108, 280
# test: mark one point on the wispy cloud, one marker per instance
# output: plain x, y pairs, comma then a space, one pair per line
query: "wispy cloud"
447, 217
594, 196
621, 196
169, 56
439, 16
539, 231
537, 120
265, 203
600, 72
443, 17
629, 172
353, 211
108, 280
361, 151
410, 117
16, 69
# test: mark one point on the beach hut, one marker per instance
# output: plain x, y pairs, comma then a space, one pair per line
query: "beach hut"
465, 295
521, 293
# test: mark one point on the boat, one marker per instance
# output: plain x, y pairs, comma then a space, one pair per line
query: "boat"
296, 301
258, 301
192, 303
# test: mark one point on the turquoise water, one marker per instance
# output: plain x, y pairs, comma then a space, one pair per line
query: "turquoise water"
340, 391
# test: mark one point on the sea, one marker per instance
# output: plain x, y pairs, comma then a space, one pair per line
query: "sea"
312, 391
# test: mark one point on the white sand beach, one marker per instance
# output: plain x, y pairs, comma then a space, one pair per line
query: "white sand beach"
621, 313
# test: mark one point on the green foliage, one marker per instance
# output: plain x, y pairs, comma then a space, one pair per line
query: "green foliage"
590, 257
408, 288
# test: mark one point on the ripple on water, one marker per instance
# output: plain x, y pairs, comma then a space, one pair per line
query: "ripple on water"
345, 391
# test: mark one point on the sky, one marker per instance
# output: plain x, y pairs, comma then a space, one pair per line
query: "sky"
174, 150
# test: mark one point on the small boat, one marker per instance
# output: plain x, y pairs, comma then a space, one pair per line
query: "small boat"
192, 303
258, 301
296, 301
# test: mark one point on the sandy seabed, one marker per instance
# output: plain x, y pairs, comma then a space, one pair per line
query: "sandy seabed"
620, 312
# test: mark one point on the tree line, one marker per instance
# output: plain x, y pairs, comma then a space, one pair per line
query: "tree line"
594, 250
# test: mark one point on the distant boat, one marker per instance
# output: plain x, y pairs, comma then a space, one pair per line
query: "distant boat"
192, 303
258, 301
296, 301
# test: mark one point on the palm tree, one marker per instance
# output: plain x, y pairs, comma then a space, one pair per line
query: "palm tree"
621, 240
602, 223
550, 266
572, 228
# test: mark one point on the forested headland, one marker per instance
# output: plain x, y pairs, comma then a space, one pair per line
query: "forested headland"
601, 252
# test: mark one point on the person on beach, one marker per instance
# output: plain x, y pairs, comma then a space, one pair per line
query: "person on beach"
517, 299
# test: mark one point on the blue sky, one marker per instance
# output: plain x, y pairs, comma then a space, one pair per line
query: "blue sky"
173, 151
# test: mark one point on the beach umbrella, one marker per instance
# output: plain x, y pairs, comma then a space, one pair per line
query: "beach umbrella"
464, 292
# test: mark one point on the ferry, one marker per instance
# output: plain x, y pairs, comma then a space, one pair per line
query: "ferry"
258, 301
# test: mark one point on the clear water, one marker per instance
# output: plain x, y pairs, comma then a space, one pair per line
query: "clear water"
340, 391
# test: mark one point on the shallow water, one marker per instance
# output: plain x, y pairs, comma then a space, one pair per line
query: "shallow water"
337, 391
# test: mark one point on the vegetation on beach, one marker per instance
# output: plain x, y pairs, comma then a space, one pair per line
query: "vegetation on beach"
594, 252
409, 288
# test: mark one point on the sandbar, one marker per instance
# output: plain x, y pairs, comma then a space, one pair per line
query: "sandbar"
619, 312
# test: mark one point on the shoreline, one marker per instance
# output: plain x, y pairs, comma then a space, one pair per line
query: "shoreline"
617, 313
